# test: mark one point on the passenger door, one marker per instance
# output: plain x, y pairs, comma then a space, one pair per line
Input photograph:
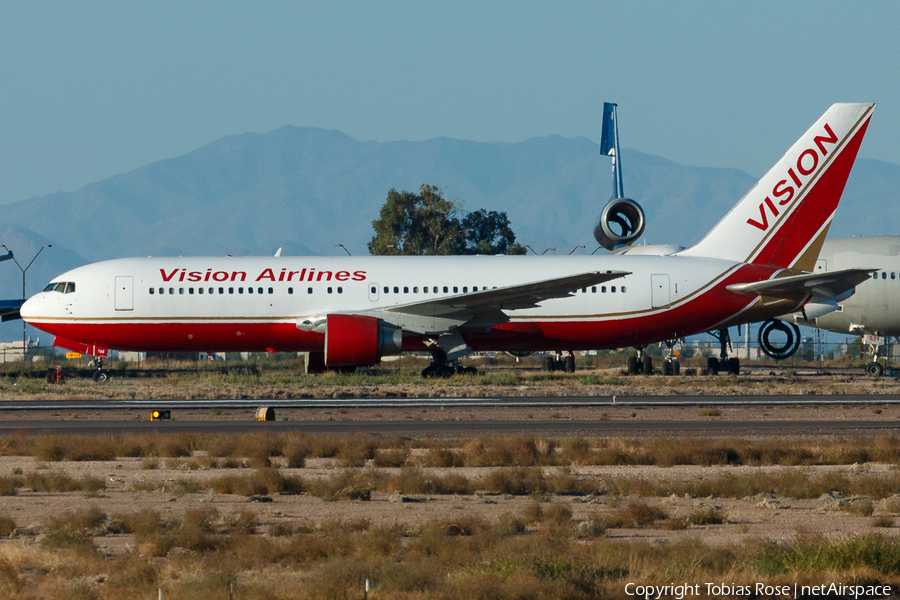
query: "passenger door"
124, 293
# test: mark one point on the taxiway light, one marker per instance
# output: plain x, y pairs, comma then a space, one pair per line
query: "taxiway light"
160, 415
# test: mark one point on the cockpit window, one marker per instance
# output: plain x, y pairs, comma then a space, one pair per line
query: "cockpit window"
63, 287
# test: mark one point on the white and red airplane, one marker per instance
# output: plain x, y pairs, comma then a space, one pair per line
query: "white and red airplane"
755, 264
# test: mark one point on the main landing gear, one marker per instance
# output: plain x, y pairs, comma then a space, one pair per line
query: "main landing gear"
723, 364
559, 362
446, 350
640, 364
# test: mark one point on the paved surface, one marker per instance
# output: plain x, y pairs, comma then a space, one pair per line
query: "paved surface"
461, 428
493, 402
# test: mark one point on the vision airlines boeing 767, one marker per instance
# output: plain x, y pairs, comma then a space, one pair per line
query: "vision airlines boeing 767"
755, 264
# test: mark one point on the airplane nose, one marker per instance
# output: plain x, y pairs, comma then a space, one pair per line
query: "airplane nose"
31, 308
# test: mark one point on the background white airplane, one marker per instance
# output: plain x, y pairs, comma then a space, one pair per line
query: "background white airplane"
874, 310
753, 265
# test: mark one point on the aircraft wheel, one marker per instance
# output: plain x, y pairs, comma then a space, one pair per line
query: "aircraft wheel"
428, 371
101, 376
666, 368
569, 363
443, 371
470, 371
648, 365
632, 365
874, 369
547, 363
734, 366
712, 366
676, 367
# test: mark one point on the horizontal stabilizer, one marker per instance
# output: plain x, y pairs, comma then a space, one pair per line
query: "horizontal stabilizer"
833, 284
9, 309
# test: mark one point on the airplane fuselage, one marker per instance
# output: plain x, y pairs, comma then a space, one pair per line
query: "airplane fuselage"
256, 303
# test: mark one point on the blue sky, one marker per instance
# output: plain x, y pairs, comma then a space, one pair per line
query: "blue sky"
90, 90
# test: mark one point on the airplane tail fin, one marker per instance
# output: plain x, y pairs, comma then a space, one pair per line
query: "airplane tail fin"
783, 219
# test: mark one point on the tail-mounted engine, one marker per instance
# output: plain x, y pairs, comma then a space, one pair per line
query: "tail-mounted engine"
779, 340
620, 223
357, 340
622, 219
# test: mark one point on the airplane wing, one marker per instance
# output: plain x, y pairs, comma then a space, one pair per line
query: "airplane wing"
9, 309
830, 284
488, 307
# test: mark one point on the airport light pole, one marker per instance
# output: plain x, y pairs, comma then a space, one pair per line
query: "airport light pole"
345, 250
574, 249
24, 269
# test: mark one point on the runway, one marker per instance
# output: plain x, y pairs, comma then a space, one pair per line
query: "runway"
460, 428
492, 402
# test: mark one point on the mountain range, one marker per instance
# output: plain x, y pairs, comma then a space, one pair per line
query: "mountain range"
306, 190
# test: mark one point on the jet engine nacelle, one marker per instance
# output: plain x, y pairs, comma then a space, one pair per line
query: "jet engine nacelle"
620, 223
357, 340
779, 340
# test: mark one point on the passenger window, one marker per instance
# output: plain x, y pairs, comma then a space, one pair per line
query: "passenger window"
612, 289
190, 290
623, 288
425, 289
474, 288
435, 289
445, 289
883, 275
259, 290
152, 291
584, 290
249, 290
416, 290
329, 290
455, 290
874, 275
230, 290
386, 289
309, 290
290, 290
212, 290
465, 290
594, 289
374, 290
405, 290
181, 290
893, 276
340, 290
199, 290
602, 289
241, 290
271, 291
396, 290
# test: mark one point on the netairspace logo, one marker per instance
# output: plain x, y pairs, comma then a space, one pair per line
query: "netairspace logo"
759, 590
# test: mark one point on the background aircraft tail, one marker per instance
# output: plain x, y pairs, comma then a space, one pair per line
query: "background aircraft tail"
782, 221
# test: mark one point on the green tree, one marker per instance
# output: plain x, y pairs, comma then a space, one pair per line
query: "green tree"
428, 224
488, 232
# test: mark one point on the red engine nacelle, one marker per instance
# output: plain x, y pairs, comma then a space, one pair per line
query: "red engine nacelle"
355, 340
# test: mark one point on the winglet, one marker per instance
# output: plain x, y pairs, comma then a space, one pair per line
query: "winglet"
783, 219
